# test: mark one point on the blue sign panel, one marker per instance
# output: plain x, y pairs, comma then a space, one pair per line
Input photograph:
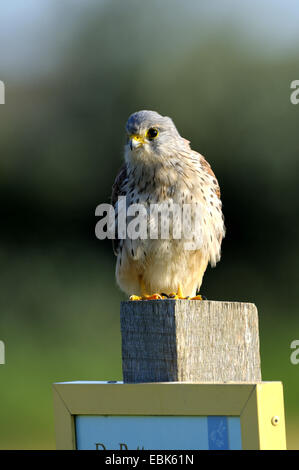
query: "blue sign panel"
158, 432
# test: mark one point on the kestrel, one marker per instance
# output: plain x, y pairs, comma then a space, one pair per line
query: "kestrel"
160, 167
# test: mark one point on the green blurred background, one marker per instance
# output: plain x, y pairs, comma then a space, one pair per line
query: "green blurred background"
73, 72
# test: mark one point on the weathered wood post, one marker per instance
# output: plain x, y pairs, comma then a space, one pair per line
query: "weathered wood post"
190, 340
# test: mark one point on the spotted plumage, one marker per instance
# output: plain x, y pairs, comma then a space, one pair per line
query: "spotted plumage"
160, 167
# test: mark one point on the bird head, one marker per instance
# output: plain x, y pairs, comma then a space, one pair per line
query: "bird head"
151, 138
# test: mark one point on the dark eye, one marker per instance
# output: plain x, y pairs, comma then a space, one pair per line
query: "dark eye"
152, 133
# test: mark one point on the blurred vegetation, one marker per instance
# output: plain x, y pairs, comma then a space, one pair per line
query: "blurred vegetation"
61, 141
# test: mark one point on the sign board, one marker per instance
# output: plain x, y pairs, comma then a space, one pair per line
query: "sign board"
169, 416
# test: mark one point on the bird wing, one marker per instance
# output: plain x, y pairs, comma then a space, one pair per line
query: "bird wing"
218, 224
207, 168
118, 189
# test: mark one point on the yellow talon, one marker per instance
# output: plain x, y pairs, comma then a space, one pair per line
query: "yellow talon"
197, 297
178, 295
152, 297
135, 297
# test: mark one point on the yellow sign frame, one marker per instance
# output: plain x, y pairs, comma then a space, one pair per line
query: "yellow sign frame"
259, 405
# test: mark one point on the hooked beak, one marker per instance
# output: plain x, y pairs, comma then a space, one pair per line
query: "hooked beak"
136, 141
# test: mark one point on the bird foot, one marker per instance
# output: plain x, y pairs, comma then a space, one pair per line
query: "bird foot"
179, 296
162, 296
152, 297
146, 297
135, 297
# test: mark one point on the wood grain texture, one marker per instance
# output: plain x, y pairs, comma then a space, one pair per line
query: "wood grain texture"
190, 341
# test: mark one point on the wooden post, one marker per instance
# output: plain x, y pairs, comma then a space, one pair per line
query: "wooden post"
190, 340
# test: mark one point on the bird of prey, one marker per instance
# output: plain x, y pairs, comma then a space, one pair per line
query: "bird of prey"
161, 168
